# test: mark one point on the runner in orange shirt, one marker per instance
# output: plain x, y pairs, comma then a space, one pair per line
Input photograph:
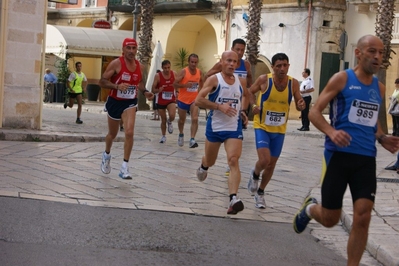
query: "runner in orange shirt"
188, 82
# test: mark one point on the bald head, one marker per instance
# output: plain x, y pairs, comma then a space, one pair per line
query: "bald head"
229, 53
369, 53
367, 40
229, 62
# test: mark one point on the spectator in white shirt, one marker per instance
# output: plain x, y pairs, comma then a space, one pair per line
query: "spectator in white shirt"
306, 89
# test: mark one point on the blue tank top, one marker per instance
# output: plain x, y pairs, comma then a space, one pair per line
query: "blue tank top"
241, 71
355, 110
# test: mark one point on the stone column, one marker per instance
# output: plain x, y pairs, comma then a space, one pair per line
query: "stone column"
21, 40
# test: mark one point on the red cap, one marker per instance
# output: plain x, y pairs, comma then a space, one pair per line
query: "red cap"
129, 41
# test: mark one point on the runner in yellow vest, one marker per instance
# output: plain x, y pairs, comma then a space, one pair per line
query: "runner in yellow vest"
77, 82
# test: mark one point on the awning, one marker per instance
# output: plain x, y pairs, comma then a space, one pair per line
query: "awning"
84, 41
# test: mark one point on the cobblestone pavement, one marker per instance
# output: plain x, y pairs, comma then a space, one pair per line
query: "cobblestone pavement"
61, 163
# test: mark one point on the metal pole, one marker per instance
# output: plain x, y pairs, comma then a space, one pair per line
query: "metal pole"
135, 12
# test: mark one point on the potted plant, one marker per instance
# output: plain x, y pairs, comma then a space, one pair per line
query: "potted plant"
63, 73
181, 58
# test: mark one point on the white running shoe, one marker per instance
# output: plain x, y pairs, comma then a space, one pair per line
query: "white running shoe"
252, 183
170, 127
124, 173
180, 140
106, 163
260, 201
163, 139
201, 174
235, 206
193, 144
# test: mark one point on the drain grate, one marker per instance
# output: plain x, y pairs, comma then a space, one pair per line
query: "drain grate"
388, 180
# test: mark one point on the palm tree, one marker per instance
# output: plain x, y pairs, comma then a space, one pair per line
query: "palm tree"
383, 29
146, 29
253, 29
253, 37
145, 39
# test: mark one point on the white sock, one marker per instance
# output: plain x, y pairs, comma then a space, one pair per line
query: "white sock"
124, 164
308, 210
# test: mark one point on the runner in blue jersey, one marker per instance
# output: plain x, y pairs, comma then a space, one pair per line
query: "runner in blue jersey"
355, 97
243, 68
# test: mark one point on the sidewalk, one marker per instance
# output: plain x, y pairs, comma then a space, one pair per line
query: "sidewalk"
384, 229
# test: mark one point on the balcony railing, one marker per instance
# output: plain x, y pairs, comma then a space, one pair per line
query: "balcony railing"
51, 5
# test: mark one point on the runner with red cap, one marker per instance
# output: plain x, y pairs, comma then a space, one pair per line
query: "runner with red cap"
124, 77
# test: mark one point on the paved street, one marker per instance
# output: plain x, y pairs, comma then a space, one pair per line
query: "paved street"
61, 163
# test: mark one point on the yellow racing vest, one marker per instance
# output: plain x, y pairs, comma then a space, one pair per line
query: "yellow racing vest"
76, 84
274, 107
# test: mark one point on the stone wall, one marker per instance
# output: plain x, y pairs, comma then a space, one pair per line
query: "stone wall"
24, 32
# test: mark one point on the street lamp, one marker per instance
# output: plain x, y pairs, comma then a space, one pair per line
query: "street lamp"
136, 12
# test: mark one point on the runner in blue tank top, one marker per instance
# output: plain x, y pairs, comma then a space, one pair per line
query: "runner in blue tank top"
243, 69
355, 97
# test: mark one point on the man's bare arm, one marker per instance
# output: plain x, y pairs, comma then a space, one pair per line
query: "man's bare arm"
155, 88
215, 69
249, 73
179, 77
333, 87
108, 73
299, 102
201, 100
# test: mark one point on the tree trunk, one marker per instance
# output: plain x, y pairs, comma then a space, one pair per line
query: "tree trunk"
382, 115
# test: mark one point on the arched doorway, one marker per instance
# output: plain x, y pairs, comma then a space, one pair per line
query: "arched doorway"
199, 38
262, 67
86, 23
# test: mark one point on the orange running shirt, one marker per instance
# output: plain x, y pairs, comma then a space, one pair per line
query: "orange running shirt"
188, 95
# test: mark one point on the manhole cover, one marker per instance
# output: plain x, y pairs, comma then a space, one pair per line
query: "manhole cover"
389, 180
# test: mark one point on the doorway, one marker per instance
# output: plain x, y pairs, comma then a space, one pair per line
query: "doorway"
329, 66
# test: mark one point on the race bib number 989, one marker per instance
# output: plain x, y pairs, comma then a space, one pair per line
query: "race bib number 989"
363, 113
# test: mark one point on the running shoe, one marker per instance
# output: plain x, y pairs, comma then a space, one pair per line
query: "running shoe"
124, 173
201, 174
180, 140
78, 121
252, 183
163, 139
65, 105
170, 127
301, 219
121, 129
260, 201
193, 144
235, 206
105, 163
227, 173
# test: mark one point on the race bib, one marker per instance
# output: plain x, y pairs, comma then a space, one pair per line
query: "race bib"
363, 113
130, 93
125, 76
167, 95
233, 102
275, 118
193, 88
